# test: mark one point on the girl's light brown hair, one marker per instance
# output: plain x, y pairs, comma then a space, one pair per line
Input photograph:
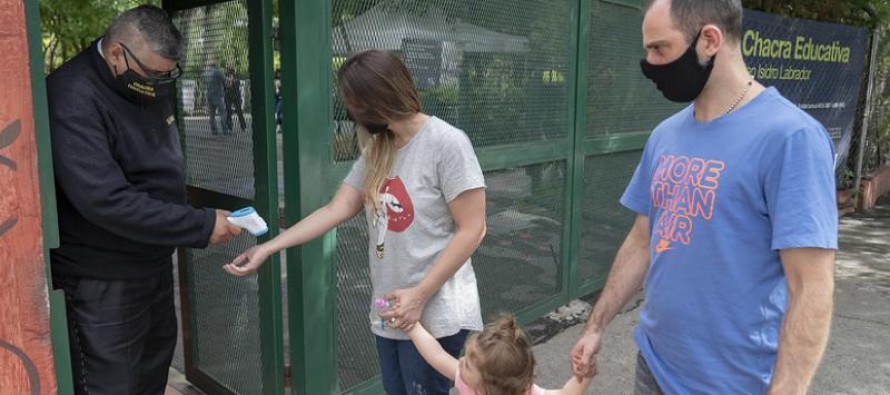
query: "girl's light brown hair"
377, 89
503, 356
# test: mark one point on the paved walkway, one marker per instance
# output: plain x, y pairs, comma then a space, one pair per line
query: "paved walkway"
177, 385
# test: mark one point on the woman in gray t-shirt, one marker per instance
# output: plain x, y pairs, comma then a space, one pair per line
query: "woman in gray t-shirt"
424, 194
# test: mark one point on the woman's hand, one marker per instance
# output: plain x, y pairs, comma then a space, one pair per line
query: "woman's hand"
407, 309
248, 262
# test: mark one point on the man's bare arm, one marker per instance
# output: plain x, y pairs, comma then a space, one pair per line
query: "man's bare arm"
625, 279
807, 323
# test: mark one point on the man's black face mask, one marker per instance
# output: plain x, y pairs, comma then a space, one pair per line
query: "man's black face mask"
141, 88
683, 79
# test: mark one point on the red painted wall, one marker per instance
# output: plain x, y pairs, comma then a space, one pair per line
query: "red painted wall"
26, 360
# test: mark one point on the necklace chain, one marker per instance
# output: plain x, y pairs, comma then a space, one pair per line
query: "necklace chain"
741, 96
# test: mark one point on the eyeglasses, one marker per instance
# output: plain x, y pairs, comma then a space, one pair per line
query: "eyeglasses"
159, 77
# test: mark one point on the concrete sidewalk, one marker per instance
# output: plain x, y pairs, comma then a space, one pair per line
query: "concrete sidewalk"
858, 358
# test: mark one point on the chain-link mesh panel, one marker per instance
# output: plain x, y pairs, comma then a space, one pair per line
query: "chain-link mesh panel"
846, 165
225, 322
356, 353
519, 263
496, 69
604, 221
877, 147
214, 101
215, 119
620, 98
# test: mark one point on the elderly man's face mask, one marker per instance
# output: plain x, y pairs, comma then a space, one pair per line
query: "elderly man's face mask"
149, 87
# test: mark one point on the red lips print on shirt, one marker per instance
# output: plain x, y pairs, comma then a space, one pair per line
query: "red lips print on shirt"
399, 208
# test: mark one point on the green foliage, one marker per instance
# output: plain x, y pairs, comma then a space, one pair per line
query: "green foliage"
70, 25
878, 142
846, 178
850, 12
446, 94
216, 32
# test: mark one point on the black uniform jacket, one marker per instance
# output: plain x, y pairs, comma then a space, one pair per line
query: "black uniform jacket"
120, 187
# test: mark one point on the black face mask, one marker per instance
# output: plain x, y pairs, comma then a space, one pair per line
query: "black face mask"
139, 88
683, 79
373, 128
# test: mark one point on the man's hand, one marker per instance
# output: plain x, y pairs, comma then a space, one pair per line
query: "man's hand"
584, 354
625, 279
223, 230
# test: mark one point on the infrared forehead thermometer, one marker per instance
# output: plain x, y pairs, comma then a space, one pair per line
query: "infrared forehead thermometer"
248, 219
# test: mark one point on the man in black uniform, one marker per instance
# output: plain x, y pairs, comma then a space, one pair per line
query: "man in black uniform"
122, 206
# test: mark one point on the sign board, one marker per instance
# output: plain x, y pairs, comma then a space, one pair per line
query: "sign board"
818, 66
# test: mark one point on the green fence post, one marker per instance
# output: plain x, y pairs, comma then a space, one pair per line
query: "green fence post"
306, 89
265, 154
578, 119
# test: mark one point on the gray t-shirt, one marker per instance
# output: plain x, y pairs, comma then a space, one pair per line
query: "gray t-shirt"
406, 238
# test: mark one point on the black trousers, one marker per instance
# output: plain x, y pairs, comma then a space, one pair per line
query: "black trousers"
122, 333
234, 108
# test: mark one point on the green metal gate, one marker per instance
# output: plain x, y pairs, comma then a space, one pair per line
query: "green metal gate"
557, 118
542, 88
232, 327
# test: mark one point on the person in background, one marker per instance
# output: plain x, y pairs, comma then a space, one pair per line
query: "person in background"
233, 100
214, 82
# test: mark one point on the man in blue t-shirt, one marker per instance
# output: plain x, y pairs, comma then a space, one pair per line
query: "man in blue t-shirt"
737, 222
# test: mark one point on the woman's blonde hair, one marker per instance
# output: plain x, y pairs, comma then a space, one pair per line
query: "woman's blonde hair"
503, 356
377, 90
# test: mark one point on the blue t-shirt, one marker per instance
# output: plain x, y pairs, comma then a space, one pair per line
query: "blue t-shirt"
723, 197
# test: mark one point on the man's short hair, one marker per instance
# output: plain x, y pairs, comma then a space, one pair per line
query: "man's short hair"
691, 15
151, 24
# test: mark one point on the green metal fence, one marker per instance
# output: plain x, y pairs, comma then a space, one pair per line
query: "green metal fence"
622, 107
549, 93
232, 327
557, 110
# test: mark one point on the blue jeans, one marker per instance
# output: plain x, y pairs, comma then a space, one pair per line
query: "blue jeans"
405, 372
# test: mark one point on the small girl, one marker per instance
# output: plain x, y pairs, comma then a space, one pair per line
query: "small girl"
496, 361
